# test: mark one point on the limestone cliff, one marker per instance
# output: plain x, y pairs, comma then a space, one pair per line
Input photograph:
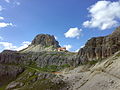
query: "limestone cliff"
10, 66
100, 47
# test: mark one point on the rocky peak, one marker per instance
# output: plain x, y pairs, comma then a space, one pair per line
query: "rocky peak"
42, 42
45, 40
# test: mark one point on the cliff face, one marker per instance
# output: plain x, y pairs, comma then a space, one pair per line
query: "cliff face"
100, 47
9, 66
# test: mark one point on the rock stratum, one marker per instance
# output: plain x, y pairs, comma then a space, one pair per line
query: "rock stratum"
41, 67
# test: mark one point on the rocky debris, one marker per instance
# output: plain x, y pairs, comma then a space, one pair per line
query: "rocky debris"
100, 47
38, 81
104, 75
13, 85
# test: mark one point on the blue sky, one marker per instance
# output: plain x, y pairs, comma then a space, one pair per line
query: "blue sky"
70, 21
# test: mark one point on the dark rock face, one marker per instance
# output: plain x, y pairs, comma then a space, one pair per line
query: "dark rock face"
43, 59
100, 47
8, 56
8, 66
45, 40
38, 81
8, 73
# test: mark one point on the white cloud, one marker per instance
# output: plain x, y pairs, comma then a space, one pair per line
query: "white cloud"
82, 46
1, 8
104, 15
56, 37
8, 1
17, 3
14, 2
68, 47
73, 33
1, 38
3, 24
23, 45
1, 18
77, 50
10, 46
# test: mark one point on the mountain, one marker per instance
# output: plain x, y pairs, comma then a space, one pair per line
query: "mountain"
100, 47
41, 67
42, 42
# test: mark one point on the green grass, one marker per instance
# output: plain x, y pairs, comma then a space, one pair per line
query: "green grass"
3, 87
93, 62
118, 55
48, 68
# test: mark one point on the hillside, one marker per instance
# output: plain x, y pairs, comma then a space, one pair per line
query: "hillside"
41, 67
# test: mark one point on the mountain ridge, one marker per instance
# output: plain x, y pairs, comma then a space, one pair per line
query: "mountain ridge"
40, 63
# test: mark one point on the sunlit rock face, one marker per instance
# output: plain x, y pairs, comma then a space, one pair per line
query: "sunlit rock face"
100, 47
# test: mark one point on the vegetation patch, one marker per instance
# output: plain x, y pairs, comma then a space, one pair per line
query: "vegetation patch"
118, 54
48, 68
93, 62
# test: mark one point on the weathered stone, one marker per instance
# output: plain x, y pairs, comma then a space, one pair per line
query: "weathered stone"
100, 47
45, 40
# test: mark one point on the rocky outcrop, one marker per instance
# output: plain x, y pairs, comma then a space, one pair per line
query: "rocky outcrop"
45, 40
9, 66
9, 73
100, 47
32, 80
44, 58
42, 42
11, 57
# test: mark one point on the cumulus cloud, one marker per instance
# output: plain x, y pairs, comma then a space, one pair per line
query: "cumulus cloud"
10, 46
23, 45
14, 2
77, 50
1, 8
17, 3
1, 18
8, 1
68, 47
56, 37
104, 15
1, 38
3, 24
82, 46
73, 33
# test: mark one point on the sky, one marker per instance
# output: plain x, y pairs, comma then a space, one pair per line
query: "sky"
72, 22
